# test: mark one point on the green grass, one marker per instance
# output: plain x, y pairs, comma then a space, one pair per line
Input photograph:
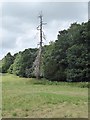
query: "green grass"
31, 98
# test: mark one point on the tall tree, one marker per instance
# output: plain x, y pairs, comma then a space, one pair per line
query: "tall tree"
6, 62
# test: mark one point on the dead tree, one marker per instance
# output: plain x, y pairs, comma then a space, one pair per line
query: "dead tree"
38, 61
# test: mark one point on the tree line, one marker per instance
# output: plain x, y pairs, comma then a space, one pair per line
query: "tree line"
66, 59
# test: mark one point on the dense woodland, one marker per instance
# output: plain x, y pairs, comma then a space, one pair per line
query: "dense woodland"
66, 59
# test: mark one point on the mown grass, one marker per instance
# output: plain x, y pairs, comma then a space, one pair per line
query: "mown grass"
28, 97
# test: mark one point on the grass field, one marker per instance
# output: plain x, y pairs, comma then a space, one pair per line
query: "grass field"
31, 98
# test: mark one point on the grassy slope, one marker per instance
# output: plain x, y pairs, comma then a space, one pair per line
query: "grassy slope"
32, 98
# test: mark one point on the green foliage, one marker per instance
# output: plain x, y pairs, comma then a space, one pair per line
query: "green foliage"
23, 63
77, 54
10, 70
77, 63
68, 59
6, 62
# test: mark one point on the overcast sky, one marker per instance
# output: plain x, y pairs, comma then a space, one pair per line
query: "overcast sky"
20, 20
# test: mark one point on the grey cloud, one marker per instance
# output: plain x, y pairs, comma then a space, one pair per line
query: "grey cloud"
9, 39
15, 14
14, 24
51, 10
8, 42
18, 18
